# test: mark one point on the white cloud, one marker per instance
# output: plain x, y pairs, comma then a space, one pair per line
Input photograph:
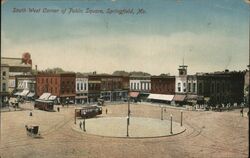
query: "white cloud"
151, 53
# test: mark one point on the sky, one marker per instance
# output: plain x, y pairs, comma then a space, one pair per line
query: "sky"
208, 35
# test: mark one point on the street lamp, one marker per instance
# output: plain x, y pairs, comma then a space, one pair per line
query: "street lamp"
171, 120
181, 116
161, 112
84, 117
75, 116
128, 106
127, 125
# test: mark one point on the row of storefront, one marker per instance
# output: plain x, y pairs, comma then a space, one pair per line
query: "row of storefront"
177, 99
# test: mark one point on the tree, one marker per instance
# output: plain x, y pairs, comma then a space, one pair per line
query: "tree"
120, 73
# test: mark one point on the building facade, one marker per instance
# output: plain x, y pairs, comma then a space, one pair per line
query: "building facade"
60, 85
81, 89
4, 84
94, 88
140, 83
163, 84
221, 87
246, 88
113, 88
25, 85
181, 80
17, 66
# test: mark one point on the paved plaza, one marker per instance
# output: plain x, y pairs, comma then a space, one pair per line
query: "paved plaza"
207, 134
139, 127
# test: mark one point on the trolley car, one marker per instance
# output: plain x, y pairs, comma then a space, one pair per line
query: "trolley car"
89, 111
46, 105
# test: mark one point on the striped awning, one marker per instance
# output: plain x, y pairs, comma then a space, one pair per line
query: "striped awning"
31, 94
52, 97
179, 97
133, 94
164, 97
24, 93
45, 96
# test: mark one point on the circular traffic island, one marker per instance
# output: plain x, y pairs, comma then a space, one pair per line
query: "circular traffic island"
138, 127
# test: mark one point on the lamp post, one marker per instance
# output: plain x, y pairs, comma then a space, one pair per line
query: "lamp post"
128, 107
127, 125
181, 116
84, 116
161, 112
128, 113
75, 116
171, 120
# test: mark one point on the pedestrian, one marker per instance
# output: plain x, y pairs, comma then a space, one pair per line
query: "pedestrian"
80, 124
106, 111
58, 109
31, 114
84, 126
241, 111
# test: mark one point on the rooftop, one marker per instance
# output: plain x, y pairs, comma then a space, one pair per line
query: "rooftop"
14, 62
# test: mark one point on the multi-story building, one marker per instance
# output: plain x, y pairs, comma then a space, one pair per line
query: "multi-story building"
163, 84
4, 83
162, 88
140, 87
94, 88
17, 66
113, 88
140, 83
60, 85
246, 87
181, 80
221, 87
81, 89
25, 85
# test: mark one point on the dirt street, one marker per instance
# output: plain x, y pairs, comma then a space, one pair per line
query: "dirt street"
208, 134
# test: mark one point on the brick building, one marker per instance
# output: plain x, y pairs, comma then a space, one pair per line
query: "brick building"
94, 88
108, 87
246, 87
221, 87
60, 85
162, 89
163, 84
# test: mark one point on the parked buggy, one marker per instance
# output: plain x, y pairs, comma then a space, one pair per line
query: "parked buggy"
32, 131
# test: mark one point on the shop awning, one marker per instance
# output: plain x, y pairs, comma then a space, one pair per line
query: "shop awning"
44, 101
45, 96
31, 94
52, 97
191, 97
133, 94
81, 97
161, 97
179, 97
24, 93
200, 98
17, 93
207, 99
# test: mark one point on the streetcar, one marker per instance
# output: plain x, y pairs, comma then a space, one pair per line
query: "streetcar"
89, 111
46, 105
